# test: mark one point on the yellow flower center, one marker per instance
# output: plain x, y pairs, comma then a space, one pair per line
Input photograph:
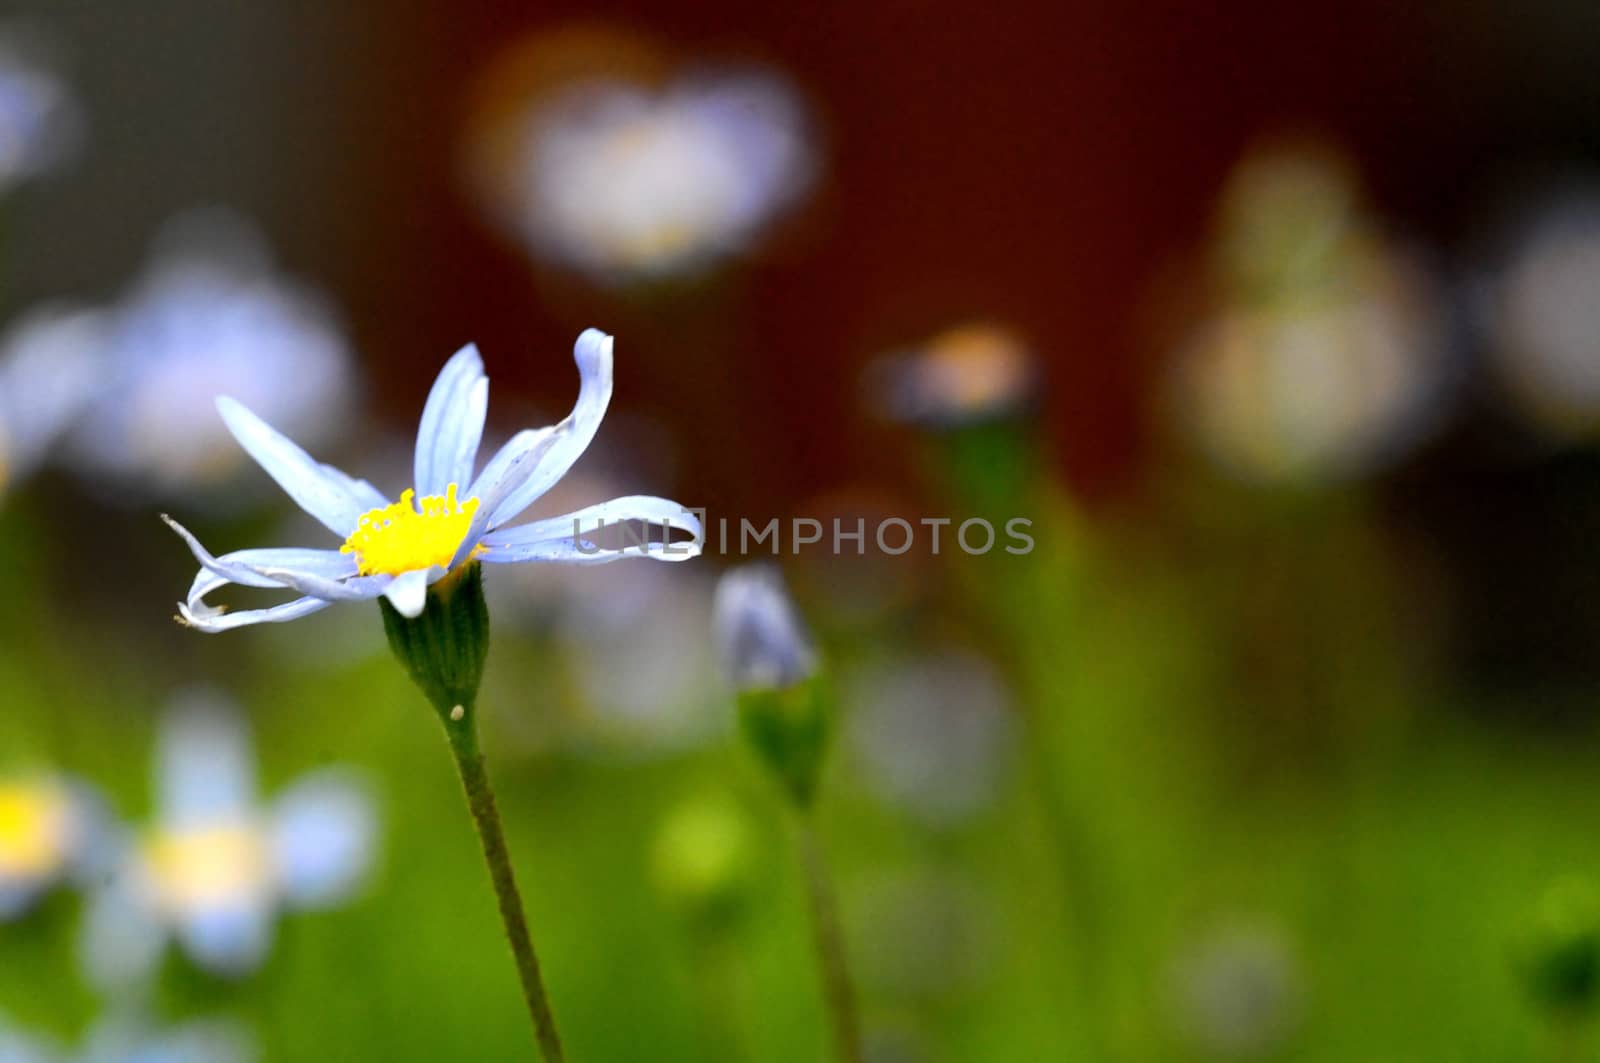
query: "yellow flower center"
34, 830
208, 865
403, 537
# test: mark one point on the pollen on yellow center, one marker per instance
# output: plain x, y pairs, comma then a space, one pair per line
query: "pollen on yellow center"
405, 537
34, 830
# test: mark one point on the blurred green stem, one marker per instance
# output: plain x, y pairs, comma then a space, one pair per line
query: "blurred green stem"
463, 735
829, 942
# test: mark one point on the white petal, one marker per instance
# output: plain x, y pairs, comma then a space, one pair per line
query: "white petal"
408, 593
228, 939
205, 762
506, 472
331, 496
121, 941
571, 538
246, 567
452, 424
202, 618
573, 435
323, 835
353, 589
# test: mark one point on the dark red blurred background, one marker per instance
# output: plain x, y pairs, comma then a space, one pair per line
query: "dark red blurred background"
1041, 164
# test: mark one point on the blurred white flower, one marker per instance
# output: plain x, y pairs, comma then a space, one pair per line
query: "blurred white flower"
121, 1040
625, 183
217, 866
1238, 990
1326, 356
209, 317
933, 736
1544, 311
50, 372
40, 122
52, 831
974, 372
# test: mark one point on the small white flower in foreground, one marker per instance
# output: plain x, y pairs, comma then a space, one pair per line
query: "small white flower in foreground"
762, 642
449, 518
51, 831
217, 865
209, 316
40, 124
622, 182
50, 372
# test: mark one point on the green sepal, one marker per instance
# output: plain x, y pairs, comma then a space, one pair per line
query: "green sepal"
789, 727
1559, 950
445, 648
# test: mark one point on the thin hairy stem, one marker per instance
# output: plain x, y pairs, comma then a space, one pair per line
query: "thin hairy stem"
463, 735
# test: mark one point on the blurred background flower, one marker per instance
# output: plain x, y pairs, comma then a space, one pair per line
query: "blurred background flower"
1326, 353
630, 180
41, 124
216, 867
52, 830
209, 316
1543, 305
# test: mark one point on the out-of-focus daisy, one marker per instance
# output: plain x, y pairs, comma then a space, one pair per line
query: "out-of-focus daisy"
1325, 356
128, 1041
52, 830
625, 182
1544, 316
933, 736
40, 122
50, 372
217, 865
1238, 990
448, 519
973, 372
210, 316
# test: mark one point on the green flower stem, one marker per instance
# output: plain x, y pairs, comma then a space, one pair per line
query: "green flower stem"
463, 736
828, 939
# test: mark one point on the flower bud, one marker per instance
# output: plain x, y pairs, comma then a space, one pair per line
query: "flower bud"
761, 640
444, 649
784, 707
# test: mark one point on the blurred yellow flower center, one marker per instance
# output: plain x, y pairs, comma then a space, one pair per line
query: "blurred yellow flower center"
206, 865
33, 830
403, 537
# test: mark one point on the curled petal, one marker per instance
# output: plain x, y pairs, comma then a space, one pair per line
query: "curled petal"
248, 567
569, 539
452, 424
333, 497
572, 436
204, 618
